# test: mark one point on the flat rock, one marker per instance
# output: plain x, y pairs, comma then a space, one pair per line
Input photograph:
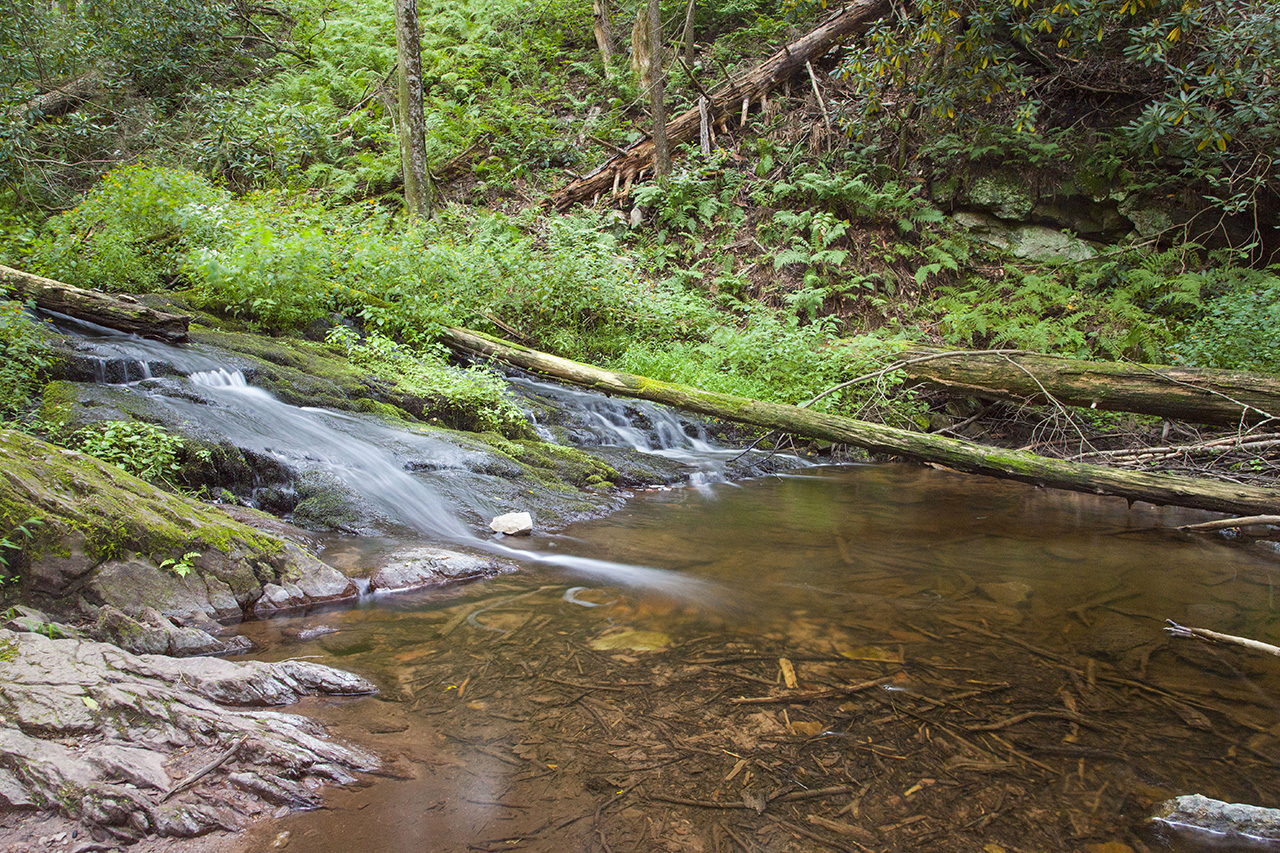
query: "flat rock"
423, 567
513, 524
86, 727
1195, 813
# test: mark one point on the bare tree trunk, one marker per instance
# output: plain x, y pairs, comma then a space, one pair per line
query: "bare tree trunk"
657, 91
413, 128
1198, 395
688, 32
953, 453
604, 35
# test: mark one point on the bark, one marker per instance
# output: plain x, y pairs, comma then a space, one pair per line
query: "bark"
413, 128
688, 31
113, 311
657, 94
65, 98
726, 100
603, 33
952, 453
1196, 395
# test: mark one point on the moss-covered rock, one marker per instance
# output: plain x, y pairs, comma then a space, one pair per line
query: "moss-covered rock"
104, 534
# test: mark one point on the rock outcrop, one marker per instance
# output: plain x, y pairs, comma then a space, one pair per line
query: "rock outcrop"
118, 741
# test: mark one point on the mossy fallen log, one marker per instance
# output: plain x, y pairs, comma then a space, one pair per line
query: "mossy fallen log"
1167, 489
115, 311
1198, 395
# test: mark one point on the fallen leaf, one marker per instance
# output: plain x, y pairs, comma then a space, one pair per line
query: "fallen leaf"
637, 641
874, 653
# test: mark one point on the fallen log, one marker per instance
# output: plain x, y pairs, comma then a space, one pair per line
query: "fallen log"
65, 98
1202, 396
730, 98
115, 311
953, 453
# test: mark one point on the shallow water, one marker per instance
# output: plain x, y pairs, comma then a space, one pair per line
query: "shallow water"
977, 663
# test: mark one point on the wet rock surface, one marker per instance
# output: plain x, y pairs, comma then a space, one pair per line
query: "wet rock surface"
116, 742
423, 567
1214, 822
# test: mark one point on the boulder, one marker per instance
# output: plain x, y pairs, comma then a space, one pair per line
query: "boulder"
1033, 242
513, 524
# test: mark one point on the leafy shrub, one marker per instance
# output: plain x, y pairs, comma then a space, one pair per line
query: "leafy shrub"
143, 450
23, 357
130, 232
471, 399
1240, 329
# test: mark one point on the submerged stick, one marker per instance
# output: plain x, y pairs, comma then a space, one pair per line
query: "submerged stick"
1228, 523
1205, 634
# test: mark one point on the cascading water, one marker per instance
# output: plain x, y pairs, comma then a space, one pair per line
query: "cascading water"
367, 456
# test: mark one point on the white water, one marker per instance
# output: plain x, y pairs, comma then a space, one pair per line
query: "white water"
354, 450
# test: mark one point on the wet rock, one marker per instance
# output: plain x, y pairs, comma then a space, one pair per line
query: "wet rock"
86, 728
513, 524
429, 567
1195, 814
1006, 594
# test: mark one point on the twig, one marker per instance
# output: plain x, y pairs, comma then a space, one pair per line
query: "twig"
206, 770
1227, 523
1252, 645
813, 695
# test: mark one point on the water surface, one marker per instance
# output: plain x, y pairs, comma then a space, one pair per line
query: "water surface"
976, 663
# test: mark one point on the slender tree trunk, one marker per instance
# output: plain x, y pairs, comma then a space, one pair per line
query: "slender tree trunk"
688, 32
413, 128
953, 453
657, 91
604, 35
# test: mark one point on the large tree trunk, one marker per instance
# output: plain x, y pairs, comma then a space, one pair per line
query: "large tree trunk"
413, 128
1196, 395
727, 100
115, 312
66, 97
950, 452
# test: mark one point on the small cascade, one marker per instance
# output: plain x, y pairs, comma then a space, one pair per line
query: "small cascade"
220, 378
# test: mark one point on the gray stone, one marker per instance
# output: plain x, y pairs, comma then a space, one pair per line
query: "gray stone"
140, 767
513, 524
186, 711
1005, 194
135, 583
1033, 242
1148, 220
55, 571
1197, 812
429, 567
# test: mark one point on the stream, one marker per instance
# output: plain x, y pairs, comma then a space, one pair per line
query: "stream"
859, 657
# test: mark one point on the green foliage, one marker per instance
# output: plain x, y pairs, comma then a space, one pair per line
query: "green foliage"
130, 231
182, 566
12, 545
23, 358
1240, 328
142, 449
1202, 76
473, 399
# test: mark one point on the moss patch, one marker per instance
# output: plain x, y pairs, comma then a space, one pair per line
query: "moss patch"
116, 512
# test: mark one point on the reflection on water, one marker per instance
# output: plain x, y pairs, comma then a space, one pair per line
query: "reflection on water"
970, 665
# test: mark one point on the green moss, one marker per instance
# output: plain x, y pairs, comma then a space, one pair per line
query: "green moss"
8, 651
57, 404
117, 512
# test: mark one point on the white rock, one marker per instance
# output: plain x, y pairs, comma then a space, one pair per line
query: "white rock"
513, 524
